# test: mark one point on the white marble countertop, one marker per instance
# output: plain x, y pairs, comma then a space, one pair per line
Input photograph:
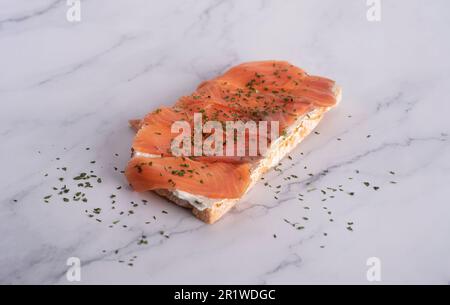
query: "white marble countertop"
65, 87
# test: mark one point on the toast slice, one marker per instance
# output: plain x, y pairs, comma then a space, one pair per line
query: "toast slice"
277, 151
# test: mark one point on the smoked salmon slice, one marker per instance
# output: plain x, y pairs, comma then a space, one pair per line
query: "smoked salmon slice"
200, 178
254, 91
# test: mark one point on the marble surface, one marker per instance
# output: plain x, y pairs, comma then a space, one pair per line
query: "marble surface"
65, 87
